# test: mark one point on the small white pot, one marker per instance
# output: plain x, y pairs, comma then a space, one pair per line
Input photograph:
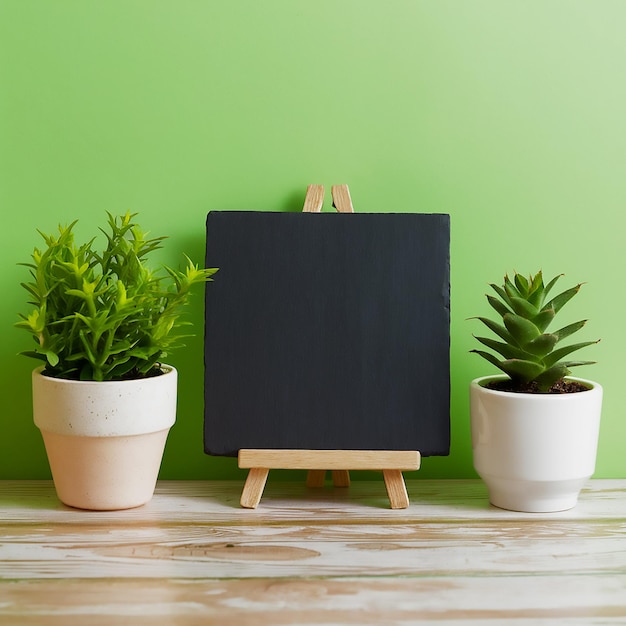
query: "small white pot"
105, 440
534, 451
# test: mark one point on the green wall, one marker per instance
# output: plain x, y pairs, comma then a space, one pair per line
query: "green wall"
510, 116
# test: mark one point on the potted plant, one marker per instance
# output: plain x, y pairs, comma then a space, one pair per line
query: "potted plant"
102, 397
535, 428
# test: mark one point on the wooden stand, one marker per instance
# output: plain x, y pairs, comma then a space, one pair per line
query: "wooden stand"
391, 462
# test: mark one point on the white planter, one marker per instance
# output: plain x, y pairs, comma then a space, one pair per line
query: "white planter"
534, 451
105, 440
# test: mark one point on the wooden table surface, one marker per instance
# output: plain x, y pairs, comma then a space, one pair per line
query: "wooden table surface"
311, 557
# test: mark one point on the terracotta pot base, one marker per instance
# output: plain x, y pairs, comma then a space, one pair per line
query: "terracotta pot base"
105, 473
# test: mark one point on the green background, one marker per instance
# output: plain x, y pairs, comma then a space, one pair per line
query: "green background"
509, 116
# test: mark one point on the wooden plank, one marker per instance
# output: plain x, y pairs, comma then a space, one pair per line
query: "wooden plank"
404, 460
314, 199
341, 478
307, 549
253, 488
187, 534
341, 198
560, 599
394, 482
315, 478
192, 556
195, 502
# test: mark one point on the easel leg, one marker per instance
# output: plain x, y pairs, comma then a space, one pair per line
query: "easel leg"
253, 489
396, 489
315, 478
341, 478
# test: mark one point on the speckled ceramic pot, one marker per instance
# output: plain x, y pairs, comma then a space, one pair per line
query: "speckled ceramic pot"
105, 440
534, 451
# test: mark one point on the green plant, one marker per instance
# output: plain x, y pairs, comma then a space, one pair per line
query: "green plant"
105, 316
530, 354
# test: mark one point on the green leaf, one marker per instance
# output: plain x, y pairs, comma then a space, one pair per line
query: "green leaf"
558, 302
32, 289
505, 349
35, 322
511, 290
489, 357
499, 330
521, 283
524, 308
577, 363
522, 330
560, 353
52, 358
542, 345
536, 292
121, 369
568, 330
501, 292
34, 355
78, 293
551, 284
557, 372
119, 347
519, 369
144, 353
543, 319
498, 305
550, 376
91, 357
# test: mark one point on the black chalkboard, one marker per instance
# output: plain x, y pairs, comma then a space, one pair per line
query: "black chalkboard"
327, 331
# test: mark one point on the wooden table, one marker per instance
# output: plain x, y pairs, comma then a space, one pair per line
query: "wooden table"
311, 557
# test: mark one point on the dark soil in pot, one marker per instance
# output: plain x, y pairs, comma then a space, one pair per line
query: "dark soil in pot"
560, 386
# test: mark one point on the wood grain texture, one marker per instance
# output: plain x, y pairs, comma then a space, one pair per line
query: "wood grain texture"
330, 459
314, 199
396, 489
341, 478
312, 556
253, 487
341, 198
315, 478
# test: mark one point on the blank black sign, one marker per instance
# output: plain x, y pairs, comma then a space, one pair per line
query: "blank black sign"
327, 331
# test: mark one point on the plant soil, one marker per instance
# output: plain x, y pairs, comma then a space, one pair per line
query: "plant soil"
560, 386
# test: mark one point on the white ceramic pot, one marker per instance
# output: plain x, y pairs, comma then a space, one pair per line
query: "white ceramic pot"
534, 451
105, 440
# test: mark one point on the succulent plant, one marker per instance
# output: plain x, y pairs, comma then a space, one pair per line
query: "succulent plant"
104, 315
528, 353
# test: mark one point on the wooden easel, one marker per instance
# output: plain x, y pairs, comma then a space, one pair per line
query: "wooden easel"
391, 462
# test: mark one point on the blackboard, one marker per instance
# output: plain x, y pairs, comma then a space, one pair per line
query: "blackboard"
327, 331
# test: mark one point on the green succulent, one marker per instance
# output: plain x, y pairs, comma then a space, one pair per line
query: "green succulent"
528, 354
104, 315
